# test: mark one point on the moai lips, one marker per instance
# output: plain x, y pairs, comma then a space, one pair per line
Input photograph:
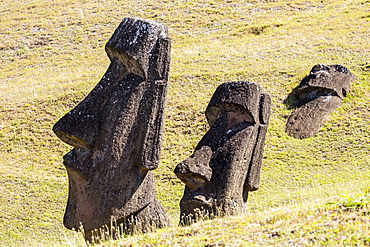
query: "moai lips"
318, 95
116, 134
226, 163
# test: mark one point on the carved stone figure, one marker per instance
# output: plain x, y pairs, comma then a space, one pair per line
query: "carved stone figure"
226, 163
318, 95
116, 134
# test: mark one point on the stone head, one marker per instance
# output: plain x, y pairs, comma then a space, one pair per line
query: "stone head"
317, 96
116, 131
226, 163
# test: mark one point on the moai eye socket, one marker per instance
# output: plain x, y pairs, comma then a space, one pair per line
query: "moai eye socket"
235, 114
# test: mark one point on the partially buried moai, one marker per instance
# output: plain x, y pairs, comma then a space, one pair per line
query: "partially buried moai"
116, 134
317, 96
226, 163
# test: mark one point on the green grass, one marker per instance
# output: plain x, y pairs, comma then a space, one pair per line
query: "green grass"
52, 55
337, 223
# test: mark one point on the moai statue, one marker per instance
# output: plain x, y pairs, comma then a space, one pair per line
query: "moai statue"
116, 134
318, 95
226, 163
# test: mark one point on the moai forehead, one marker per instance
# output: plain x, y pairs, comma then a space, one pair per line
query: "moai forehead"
242, 96
127, 44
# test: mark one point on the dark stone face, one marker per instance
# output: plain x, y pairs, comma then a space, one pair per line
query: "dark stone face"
227, 161
116, 133
318, 95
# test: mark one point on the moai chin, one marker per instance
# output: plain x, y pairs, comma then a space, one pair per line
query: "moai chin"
317, 96
116, 135
226, 163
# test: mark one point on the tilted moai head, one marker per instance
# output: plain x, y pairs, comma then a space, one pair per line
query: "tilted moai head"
318, 95
226, 163
116, 134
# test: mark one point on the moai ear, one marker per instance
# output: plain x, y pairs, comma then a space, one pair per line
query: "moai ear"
318, 95
252, 181
159, 60
265, 108
151, 118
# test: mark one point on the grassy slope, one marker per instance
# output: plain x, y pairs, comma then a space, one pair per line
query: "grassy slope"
319, 224
52, 54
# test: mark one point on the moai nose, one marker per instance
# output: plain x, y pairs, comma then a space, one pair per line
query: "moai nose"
77, 127
195, 170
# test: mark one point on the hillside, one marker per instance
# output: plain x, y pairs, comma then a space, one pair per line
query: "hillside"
52, 55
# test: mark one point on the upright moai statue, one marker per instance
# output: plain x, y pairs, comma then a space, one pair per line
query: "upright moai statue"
116, 134
226, 163
317, 96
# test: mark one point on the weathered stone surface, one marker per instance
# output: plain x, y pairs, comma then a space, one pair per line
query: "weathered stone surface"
116, 134
195, 171
318, 95
226, 163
